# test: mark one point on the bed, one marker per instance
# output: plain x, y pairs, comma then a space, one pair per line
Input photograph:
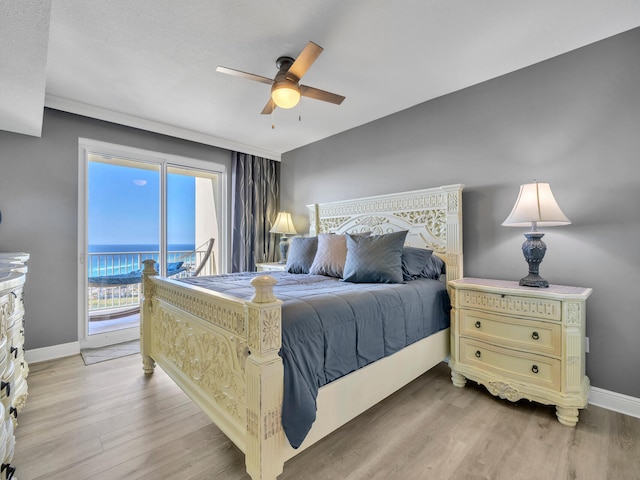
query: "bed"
223, 349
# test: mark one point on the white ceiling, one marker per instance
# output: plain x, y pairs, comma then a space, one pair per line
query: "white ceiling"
151, 63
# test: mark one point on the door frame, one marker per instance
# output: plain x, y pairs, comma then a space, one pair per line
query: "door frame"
89, 146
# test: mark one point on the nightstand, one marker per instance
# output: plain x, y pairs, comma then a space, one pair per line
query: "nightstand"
521, 342
271, 267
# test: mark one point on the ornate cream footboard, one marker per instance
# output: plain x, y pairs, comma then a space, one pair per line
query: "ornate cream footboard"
223, 351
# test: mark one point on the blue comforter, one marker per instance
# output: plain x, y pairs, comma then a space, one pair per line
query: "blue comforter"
331, 328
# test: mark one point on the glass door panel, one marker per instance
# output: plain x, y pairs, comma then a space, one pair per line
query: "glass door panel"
192, 222
123, 228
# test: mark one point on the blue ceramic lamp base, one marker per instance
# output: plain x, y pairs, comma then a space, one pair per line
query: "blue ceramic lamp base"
534, 249
284, 249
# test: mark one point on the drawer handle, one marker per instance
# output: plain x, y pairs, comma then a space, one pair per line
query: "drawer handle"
534, 369
535, 336
6, 385
478, 324
13, 411
10, 470
478, 354
14, 350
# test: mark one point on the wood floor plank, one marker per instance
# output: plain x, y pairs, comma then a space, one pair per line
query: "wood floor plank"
101, 412
152, 437
589, 446
624, 436
109, 421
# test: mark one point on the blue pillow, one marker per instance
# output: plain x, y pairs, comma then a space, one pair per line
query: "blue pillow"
374, 259
413, 261
174, 266
302, 251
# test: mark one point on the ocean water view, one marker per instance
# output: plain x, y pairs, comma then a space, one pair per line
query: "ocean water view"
119, 248
117, 259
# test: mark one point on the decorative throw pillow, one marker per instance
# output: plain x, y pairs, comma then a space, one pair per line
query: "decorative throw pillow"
413, 261
375, 259
330, 256
302, 251
434, 267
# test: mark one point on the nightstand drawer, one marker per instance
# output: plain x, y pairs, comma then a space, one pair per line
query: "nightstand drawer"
537, 337
541, 308
517, 366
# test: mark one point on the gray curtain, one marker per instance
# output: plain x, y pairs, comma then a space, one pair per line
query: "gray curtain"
255, 200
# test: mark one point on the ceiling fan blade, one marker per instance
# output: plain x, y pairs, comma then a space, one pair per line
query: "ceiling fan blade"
318, 94
306, 58
248, 76
269, 107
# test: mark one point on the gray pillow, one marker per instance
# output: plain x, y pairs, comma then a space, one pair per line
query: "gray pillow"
375, 259
302, 251
330, 256
414, 261
434, 267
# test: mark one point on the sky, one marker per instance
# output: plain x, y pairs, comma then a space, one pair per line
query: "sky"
124, 206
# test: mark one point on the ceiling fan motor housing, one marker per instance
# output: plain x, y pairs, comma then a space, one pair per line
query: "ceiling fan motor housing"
284, 63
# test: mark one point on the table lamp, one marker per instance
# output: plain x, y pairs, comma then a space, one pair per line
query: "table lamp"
283, 225
535, 207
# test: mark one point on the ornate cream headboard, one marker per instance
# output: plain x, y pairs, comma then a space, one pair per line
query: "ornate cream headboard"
433, 218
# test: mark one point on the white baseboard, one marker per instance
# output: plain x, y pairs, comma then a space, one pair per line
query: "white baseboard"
51, 353
597, 396
615, 401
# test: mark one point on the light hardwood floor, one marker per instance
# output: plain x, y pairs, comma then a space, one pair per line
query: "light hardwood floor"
110, 421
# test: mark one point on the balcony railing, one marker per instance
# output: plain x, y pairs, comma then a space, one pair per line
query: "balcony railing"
109, 301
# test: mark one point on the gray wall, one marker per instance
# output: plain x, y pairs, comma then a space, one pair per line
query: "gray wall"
572, 121
39, 204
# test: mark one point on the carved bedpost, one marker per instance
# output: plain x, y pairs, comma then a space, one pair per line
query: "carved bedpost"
148, 363
314, 220
265, 383
454, 232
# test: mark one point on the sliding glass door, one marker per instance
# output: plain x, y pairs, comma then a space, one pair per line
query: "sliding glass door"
140, 205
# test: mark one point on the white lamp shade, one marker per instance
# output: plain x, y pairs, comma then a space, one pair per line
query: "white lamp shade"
283, 224
536, 206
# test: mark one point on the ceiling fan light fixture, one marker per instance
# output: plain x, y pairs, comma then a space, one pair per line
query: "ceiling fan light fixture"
285, 87
285, 94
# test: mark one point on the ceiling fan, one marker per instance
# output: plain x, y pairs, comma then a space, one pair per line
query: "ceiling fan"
285, 87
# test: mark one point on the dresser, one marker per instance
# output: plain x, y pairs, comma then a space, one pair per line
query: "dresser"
521, 342
13, 367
